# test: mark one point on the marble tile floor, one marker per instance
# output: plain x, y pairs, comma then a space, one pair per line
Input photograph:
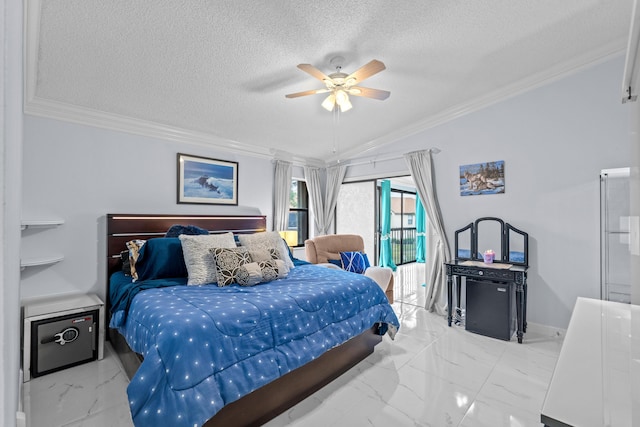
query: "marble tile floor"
407, 283
430, 375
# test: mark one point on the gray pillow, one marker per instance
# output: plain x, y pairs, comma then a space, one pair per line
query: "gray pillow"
201, 266
228, 261
267, 240
258, 255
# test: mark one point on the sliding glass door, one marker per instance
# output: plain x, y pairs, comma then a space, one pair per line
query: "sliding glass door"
403, 226
356, 214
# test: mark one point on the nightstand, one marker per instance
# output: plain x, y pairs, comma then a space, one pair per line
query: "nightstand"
61, 332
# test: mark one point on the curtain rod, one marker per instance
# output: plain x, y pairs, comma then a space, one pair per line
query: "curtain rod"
301, 162
385, 159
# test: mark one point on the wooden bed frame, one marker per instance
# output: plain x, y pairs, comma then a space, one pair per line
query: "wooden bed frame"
267, 402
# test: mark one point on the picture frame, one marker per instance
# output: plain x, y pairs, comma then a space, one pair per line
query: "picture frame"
203, 180
482, 178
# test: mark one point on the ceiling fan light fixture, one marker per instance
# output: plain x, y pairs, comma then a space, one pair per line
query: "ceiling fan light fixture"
329, 102
345, 106
341, 97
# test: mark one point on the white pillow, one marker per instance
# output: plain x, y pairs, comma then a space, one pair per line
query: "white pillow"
266, 240
283, 268
249, 274
201, 266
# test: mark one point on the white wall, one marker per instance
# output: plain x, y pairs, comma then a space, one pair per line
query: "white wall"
554, 140
80, 174
10, 188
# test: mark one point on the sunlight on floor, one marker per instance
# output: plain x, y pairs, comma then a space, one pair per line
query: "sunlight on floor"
408, 284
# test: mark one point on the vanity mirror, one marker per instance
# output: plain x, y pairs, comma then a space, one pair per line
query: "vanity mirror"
509, 244
463, 242
489, 237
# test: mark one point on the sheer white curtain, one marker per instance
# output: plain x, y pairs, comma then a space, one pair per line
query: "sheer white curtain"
313, 176
421, 167
281, 190
335, 176
324, 197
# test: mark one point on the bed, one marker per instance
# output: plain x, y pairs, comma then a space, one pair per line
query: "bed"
171, 338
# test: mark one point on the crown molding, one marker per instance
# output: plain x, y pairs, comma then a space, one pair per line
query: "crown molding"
85, 116
567, 69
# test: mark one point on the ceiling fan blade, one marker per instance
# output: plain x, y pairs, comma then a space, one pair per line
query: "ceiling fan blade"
369, 93
310, 69
306, 92
366, 71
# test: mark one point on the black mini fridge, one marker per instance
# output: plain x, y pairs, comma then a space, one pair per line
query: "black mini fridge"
64, 341
490, 309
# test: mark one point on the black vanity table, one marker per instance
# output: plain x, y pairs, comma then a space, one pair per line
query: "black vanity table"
507, 275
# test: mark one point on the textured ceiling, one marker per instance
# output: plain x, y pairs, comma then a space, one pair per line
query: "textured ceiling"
221, 68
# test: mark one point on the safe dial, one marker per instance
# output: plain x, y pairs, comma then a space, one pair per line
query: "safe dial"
68, 335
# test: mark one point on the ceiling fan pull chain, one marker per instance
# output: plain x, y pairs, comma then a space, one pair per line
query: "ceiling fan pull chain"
336, 123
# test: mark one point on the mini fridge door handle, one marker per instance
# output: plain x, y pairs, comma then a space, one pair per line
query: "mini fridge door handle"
93, 329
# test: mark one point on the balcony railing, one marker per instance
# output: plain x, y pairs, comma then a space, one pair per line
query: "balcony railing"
403, 245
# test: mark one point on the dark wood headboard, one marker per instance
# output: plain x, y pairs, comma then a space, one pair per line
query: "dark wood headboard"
124, 227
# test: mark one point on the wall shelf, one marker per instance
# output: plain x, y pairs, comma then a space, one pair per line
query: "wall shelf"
40, 260
45, 260
40, 223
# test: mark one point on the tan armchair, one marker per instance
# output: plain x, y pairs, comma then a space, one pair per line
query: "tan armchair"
321, 249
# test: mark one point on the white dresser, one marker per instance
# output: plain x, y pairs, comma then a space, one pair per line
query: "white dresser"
596, 381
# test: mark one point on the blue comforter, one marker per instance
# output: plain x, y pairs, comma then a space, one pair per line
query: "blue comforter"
206, 346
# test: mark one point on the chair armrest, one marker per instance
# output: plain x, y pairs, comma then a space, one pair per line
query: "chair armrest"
381, 275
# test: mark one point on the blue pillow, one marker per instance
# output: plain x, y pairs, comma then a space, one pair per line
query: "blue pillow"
291, 257
298, 262
161, 258
192, 230
366, 261
355, 262
337, 262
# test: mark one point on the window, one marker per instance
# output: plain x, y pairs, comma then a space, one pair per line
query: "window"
298, 227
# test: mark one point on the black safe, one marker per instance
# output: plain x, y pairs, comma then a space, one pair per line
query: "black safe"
62, 342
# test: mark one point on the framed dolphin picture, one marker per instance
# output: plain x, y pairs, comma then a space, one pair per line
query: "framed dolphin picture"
208, 181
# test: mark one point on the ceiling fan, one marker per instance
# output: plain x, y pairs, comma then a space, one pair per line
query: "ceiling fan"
340, 85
